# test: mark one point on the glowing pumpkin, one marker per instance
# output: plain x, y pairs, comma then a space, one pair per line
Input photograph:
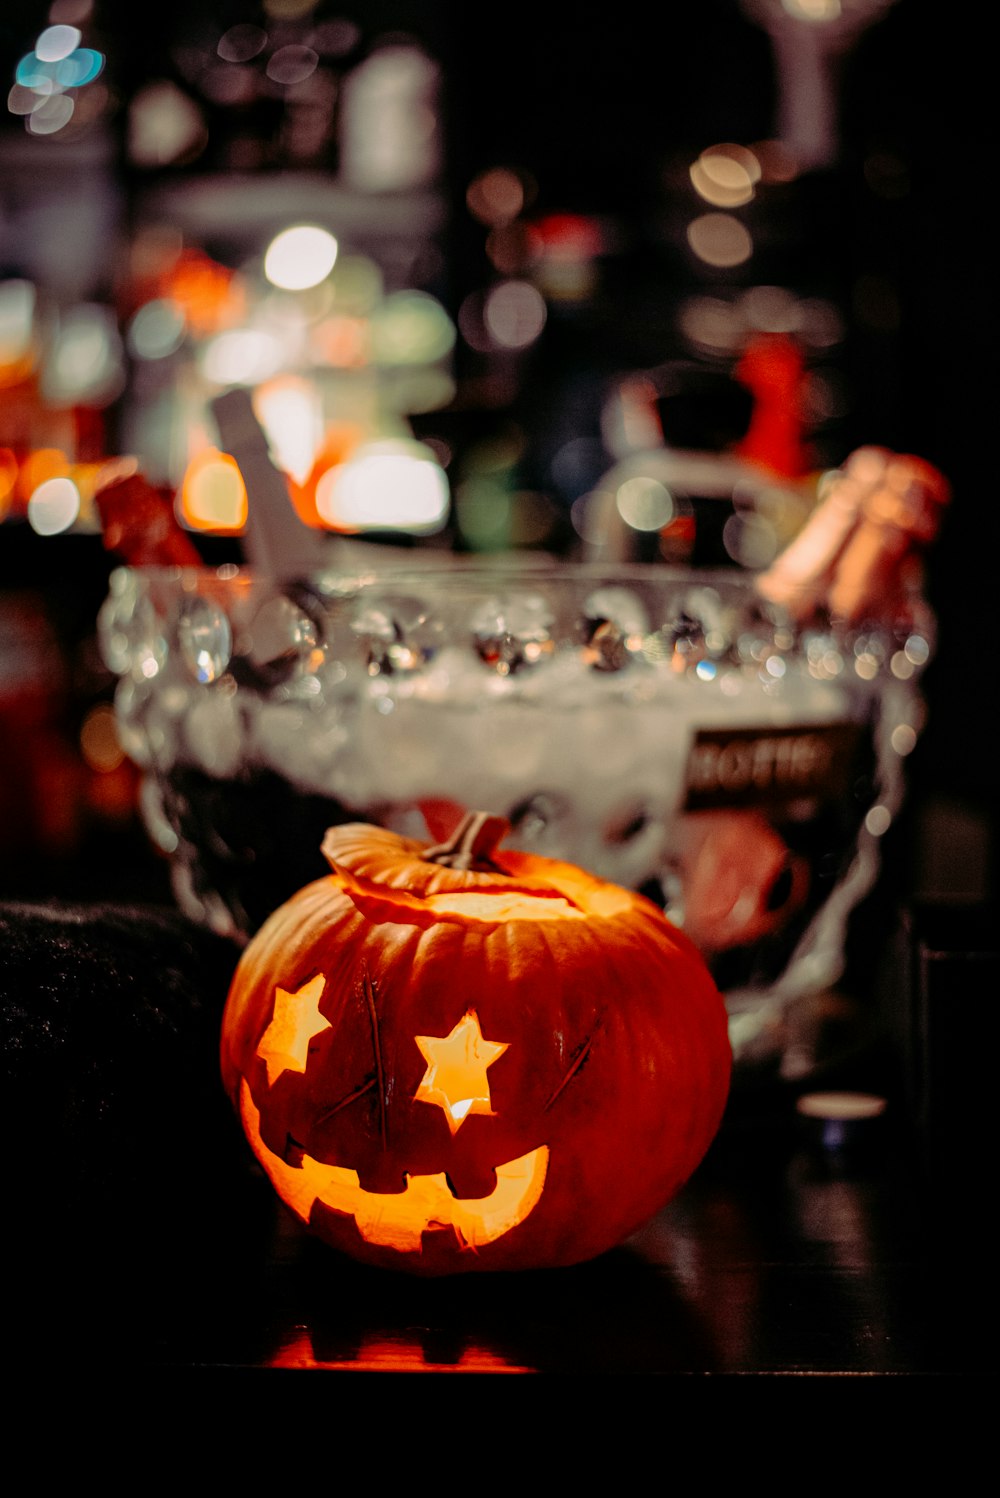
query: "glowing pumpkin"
460, 1058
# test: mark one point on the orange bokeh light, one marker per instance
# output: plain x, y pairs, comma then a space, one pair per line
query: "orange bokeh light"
213, 496
8, 478
39, 466
210, 295
339, 442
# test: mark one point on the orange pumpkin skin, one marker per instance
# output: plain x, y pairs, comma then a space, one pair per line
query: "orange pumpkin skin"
608, 1071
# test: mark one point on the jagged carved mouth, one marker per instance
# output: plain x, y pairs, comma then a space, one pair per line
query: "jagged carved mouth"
399, 1219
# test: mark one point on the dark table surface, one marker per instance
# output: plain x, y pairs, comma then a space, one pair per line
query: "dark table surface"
146, 1239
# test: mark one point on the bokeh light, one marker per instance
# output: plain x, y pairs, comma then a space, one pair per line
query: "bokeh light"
292, 64
357, 284
392, 484
644, 503
411, 327
514, 314
242, 356
878, 821
712, 324
817, 11
720, 240
164, 125
156, 330
32, 73
84, 364
17, 320
772, 309
904, 738
40, 465
242, 42
751, 540
213, 495
300, 257
51, 115
778, 164
57, 42
79, 68
290, 411
483, 512
496, 196
54, 506
590, 516
725, 175
99, 741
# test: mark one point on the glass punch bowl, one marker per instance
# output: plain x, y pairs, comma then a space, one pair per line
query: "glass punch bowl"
660, 726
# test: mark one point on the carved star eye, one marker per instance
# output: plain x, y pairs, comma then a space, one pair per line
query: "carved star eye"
455, 1079
284, 1046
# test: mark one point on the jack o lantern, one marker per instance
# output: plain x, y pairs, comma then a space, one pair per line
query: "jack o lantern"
457, 1057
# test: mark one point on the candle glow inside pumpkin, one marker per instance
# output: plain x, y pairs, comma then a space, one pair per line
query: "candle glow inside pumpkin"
460, 1058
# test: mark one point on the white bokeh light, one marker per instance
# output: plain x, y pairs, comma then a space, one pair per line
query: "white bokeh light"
396, 484
300, 257
57, 42
242, 356
53, 507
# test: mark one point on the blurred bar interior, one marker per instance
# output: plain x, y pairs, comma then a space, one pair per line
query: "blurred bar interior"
563, 236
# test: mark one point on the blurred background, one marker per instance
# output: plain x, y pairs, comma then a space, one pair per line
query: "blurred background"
563, 237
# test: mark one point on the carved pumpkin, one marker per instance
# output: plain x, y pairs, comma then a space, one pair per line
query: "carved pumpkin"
460, 1058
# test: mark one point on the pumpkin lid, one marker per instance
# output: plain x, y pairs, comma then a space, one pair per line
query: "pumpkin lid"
467, 877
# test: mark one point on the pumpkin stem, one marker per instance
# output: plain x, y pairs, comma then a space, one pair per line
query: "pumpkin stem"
471, 843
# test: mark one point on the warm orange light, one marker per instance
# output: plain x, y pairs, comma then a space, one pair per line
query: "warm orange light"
16, 371
455, 1079
99, 742
38, 467
210, 294
400, 1352
720, 240
511, 1018
339, 441
288, 407
342, 341
296, 1020
495, 196
399, 1219
8, 478
213, 496
725, 175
